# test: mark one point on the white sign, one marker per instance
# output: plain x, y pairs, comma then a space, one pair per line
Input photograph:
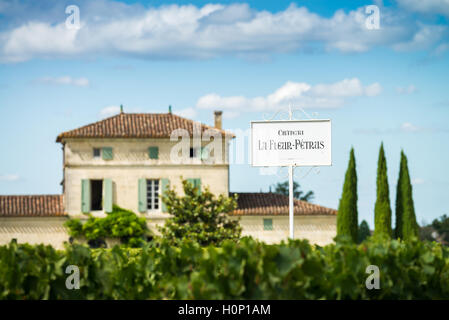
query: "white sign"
291, 142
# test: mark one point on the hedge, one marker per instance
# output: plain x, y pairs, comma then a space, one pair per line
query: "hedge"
245, 270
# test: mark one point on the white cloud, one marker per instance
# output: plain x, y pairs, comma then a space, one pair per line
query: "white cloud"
189, 113
417, 181
405, 127
408, 127
9, 177
406, 90
188, 31
66, 80
109, 111
441, 48
427, 6
425, 38
298, 94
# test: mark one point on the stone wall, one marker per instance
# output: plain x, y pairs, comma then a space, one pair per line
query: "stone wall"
317, 229
34, 231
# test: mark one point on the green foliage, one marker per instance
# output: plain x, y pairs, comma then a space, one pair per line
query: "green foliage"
75, 227
282, 188
364, 231
406, 225
120, 223
199, 216
382, 209
247, 269
347, 218
441, 226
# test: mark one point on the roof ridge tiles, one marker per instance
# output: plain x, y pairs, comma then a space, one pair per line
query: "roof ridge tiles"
136, 125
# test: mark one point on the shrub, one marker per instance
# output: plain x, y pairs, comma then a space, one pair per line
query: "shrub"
247, 269
120, 223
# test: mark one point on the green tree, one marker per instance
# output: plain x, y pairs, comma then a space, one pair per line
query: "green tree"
441, 226
399, 202
364, 231
282, 188
199, 216
347, 217
406, 225
120, 223
382, 209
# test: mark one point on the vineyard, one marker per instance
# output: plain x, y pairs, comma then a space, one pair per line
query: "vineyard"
247, 269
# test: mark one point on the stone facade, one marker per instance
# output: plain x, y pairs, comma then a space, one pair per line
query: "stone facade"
130, 163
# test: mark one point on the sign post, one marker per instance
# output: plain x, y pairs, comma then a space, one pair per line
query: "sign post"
291, 207
291, 143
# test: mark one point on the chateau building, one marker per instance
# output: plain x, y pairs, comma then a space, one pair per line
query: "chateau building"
129, 159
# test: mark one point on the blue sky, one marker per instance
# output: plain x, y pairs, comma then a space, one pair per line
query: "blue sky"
246, 58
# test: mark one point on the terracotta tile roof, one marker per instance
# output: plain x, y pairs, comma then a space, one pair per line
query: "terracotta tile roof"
32, 206
275, 204
136, 125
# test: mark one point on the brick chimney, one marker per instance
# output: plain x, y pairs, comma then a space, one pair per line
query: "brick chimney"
217, 117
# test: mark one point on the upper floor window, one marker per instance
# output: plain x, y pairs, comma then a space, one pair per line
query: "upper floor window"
97, 153
107, 153
268, 224
202, 153
153, 152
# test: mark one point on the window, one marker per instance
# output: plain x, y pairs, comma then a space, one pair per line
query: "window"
268, 224
153, 152
107, 153
96, 195
97, 152
204, 153
152, 194
96, 199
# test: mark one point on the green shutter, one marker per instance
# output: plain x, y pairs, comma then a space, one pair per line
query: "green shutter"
164, 187
108, 195
204, 153
197, 185
153, 152
268, 224
142, 195
191, 181
85, 195
107, 153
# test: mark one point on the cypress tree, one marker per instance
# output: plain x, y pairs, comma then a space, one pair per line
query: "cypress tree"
364, 231
347, 217
399, 204
382, 209
406, 225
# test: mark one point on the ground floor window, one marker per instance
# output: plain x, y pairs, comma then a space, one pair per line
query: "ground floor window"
96, 197
152, 194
